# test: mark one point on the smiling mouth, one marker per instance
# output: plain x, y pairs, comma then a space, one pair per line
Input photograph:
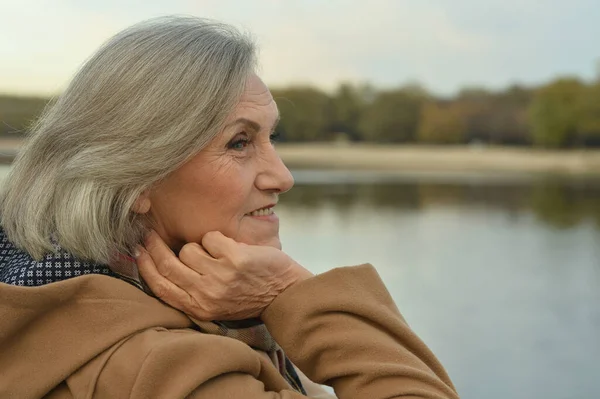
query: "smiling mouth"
262, 212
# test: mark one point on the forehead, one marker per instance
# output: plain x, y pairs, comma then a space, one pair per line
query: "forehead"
256, 93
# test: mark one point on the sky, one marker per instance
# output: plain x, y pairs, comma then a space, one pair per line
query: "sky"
444, 45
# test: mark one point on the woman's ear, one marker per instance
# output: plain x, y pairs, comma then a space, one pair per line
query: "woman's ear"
142, 203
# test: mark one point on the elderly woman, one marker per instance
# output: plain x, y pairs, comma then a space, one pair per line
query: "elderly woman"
141, 211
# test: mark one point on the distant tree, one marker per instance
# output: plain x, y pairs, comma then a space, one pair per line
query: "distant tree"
442, 123
554, 113
496, 117
347, 106
588, 123
305, 113
506, 116
393, 116
476, 106
473, 94
512, 124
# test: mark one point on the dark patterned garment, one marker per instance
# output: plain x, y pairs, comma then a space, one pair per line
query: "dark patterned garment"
19, 268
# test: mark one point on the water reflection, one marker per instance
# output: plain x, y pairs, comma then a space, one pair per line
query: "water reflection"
559, 203
566, 205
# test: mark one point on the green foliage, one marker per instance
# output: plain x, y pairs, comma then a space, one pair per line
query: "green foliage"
347, 106
495, 118
588, 123
508, 119
305, 113
393, 116
555, 112
443, 123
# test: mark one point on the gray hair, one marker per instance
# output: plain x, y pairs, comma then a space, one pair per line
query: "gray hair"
145, 103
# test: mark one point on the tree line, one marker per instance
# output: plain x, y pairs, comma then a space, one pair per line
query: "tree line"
564, 113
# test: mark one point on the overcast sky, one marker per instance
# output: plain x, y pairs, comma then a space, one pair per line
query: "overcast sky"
443, 44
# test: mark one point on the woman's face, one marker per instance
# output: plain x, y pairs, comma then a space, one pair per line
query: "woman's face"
223, 187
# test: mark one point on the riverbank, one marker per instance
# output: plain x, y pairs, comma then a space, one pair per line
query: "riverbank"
445, 159
412, 158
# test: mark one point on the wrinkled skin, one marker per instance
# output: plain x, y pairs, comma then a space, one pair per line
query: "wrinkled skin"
237, 173
220, 279
209, 256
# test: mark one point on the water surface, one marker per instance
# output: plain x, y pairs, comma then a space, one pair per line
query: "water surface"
499, 276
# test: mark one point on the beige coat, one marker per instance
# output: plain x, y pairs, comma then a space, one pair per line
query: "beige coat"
98, 337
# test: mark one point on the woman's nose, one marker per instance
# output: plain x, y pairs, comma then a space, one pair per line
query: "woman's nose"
274, 176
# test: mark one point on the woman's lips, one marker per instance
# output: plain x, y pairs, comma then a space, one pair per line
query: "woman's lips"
264, 214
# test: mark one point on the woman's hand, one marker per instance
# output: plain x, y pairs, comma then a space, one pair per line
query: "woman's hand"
218, 280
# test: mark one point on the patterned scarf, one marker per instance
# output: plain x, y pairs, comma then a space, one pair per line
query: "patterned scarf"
19, 268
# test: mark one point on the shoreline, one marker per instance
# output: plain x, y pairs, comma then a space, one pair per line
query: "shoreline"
440, 159
415, 158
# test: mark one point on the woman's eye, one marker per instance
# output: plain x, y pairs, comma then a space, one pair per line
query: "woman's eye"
274, 137
239, 144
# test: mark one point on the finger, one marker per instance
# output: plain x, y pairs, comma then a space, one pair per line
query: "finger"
158, 249
196, 258
169, 265
216, 244
160, 286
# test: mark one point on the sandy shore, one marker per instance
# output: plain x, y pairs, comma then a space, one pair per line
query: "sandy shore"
442, 159
418, 159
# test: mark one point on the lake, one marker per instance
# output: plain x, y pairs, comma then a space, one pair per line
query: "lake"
498, 274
